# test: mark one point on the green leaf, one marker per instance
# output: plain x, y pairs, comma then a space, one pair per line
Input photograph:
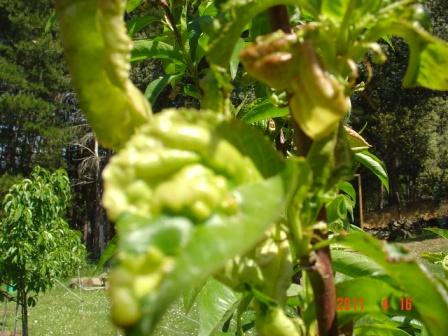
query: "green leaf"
50, 22
429, 298
138, 23
216, 303
252, 144
347, 188
155, 49
108, 253
192, 91
321, 159
441, 232
334, 9
355, 264
97, 50
428, 59
132, 4
377, 297
375, 165
433, 257
189, 297
263, 111
379, 329
155, 88
235, 59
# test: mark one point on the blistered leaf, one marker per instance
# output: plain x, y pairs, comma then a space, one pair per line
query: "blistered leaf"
187, 200
97, 50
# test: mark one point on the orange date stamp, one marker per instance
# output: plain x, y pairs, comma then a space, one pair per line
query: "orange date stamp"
358, 304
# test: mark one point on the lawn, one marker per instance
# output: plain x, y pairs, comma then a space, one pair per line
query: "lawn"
60, 312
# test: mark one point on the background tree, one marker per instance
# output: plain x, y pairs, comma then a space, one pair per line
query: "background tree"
32, 83
36, 244
40, 122
407, 127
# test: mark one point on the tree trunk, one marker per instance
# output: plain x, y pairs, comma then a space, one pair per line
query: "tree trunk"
394, 196
24, 305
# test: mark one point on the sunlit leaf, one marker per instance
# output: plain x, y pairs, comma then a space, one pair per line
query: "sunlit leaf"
155, 88
215, 304
441, 232
221, 49
132, 4
264, 111
429, 298
138, 23
375, 165
155, 49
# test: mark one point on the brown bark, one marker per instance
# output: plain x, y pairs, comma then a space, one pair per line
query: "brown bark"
320, 269
320, 272
24, 305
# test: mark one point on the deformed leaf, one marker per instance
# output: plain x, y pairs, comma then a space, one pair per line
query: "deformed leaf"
356, 141
97, 50
215, 242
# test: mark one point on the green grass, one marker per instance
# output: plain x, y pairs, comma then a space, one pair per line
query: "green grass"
58, 312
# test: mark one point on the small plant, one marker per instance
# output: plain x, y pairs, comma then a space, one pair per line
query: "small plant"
36, 244
199, 194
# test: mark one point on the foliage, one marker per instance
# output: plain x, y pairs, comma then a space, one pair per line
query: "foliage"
32, 79
406, 127
198, 194
36, 244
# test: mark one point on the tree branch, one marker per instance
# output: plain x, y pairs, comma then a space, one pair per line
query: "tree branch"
319, 270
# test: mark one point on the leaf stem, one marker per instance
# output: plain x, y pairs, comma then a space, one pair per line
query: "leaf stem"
177, 35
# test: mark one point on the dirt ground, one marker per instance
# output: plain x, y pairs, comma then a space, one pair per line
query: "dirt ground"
420, 211
427, 245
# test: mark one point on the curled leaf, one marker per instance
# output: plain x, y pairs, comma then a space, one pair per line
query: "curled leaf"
176, 164
356, 141
188, 189
97, 50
